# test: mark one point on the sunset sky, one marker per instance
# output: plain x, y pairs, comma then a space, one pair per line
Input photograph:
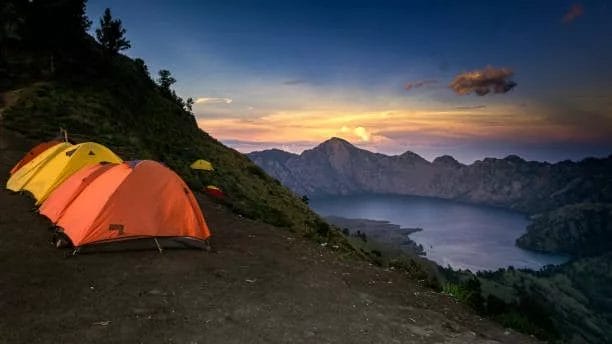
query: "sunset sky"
470, 79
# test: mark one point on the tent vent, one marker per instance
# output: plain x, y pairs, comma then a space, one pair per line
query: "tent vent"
70, 152
91, 153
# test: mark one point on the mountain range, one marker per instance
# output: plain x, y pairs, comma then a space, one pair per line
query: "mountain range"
336, 167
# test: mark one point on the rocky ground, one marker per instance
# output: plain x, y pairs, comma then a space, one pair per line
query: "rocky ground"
258, 284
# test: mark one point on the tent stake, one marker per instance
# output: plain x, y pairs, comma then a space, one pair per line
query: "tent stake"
76, 251
158, 246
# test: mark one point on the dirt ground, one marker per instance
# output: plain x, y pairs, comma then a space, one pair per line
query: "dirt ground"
260, 284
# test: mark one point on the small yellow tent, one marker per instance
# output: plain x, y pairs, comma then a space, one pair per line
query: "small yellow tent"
202, 165
48, 170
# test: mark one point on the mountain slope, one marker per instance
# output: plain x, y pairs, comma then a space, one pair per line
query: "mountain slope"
126, 111
335, 167
260, 284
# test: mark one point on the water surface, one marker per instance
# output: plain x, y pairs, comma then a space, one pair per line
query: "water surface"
463, 236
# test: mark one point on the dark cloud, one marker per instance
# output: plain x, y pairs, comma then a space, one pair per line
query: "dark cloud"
483, 81
574, 12
471, 107
294, 82
418, 84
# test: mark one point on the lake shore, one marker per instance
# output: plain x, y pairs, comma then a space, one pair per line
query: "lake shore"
383, 232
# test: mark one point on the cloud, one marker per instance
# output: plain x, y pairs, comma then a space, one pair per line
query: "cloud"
360, 133
483, 81
470, 107
574, 12
205, 100
418, 84
294, 82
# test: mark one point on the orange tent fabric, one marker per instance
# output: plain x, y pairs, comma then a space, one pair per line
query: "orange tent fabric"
136, 199
33, 153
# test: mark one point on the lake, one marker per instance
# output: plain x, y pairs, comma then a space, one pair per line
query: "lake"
461, 235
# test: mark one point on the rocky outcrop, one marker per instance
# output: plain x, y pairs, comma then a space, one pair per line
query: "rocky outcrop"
335, 167
580, 230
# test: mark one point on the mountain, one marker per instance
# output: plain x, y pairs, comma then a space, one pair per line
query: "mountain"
336, 167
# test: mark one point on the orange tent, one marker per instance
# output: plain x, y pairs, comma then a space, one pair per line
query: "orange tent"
136, 199
33, 153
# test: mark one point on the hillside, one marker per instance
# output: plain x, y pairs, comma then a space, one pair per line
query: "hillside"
336, 167
579, 230
574, 298
126, 111
260, 284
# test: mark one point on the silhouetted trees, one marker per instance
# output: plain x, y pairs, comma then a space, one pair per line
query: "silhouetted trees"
165, 80
111, 34
53, 32
189, 105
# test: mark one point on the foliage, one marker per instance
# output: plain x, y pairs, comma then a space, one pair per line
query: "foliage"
467, 292
111, 34
165, 80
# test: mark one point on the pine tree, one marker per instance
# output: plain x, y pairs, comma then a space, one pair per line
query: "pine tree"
111, 34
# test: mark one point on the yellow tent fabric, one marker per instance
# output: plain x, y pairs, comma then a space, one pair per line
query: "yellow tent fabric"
48, 170
202, 165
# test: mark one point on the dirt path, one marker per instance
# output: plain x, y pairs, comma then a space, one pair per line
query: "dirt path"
261, 285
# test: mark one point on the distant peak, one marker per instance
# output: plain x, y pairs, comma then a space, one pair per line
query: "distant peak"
514, 158
335, 142
412, 156
446, 160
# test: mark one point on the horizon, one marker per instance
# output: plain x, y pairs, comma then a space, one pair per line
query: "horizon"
428, 158
471, 80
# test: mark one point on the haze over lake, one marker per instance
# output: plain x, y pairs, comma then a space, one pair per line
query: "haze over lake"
463, 236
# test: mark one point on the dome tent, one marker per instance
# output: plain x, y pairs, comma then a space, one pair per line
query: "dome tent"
136, 199
50, 168
33, 153
202, 164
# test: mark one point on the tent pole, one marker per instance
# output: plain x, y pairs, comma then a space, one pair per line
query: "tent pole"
158, 246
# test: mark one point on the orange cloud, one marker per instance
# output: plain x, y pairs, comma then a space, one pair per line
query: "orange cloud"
483, 81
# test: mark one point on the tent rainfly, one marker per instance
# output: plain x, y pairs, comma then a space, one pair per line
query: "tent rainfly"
33, 153
50, 168
135, 199
214, 191
202, 164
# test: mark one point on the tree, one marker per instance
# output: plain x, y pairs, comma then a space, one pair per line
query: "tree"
305, 199
165, 80
189, 104
142, 67
111, 34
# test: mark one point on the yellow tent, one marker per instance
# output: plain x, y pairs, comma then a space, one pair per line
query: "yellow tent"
48, 170
202, 165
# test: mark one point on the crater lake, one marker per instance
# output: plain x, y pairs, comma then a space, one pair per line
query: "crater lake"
463, 236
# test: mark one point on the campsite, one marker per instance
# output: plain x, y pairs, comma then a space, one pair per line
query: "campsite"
162, 166
259, 283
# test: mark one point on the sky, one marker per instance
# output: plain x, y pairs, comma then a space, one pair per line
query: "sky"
471, 79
